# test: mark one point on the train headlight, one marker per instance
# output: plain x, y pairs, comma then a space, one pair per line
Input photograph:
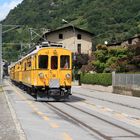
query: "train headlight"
41, 75
68, 76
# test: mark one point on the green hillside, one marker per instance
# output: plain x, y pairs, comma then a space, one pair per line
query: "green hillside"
111, 20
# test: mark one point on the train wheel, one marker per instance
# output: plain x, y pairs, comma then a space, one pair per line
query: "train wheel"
69, 91
38, 96
28, 90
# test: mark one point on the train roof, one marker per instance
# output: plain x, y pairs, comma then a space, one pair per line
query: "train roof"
11, 65
37, 48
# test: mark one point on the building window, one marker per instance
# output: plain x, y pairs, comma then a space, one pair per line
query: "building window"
130, 41
79, 48
60, 36
79, 36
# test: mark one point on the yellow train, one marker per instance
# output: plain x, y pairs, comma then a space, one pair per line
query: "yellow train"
45, 72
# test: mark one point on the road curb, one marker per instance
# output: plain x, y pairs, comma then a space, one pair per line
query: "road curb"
19, 128
100, 88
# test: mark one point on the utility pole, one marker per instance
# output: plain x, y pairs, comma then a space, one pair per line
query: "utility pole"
33, 35
1, 62
1, 65
21, 46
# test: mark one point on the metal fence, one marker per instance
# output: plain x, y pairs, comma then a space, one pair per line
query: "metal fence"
126, 80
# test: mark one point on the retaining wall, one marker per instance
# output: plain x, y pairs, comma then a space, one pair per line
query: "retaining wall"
130, 91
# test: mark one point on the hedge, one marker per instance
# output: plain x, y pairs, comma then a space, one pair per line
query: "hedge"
104, 79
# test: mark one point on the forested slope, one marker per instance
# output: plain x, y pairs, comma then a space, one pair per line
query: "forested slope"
111, 20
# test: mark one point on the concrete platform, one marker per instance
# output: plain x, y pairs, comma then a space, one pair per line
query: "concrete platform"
8, 129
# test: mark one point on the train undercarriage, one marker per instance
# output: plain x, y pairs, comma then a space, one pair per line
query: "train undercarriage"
55, 93
41, 93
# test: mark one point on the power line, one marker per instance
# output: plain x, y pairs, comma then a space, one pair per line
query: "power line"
15, 43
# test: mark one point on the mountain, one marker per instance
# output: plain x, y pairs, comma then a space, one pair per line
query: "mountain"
109, 20
113, 19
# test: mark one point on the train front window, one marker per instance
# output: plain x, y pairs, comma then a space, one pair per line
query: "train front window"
54, 62
43, 61
65, 62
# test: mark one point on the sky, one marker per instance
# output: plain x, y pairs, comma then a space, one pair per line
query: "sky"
6, 6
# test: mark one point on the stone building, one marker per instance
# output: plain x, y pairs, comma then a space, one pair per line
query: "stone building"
130, 41
75, 39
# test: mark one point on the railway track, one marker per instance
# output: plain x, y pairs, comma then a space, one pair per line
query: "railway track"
129, 131
92, 97
77, 121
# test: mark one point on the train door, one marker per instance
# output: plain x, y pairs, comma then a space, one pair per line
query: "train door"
54, 73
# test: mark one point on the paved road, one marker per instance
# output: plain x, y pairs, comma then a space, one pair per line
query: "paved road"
89, 115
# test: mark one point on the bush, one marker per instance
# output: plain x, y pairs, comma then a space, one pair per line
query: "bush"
80, 60
99, 66
104, 79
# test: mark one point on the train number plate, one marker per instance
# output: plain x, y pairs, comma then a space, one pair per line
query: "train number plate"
54, 83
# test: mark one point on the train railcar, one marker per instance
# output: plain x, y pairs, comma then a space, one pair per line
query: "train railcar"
45, 72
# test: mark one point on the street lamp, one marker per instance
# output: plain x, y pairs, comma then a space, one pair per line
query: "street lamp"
64, 21
106, 42
1, 64
74, 32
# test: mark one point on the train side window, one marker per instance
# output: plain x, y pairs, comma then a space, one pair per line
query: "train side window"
29, 62
22, 66
35, 61
43, 61
65, 62
25, 66
54, 62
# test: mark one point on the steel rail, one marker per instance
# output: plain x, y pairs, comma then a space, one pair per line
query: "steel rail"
58, 110
107, 101
120, 127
